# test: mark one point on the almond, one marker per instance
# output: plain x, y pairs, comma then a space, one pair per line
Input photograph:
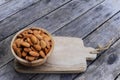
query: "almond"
24, 54
33, 53
27, 35
25, 44
47, 43
34, 39
46, 50
39, 36
42, 54
18, 42
35, 32
30, 31
27, 49
29, 41
37, 47
33, 49
19, 36
47, 38
29, 58
43, 44
17, 50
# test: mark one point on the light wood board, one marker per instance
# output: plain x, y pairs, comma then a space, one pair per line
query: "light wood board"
69, 56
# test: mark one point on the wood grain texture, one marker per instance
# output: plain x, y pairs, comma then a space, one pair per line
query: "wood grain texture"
12, 74
54, 20
48, 77
66, 14
10, 57
78, 29
7, 51
54, 76
118, 78
3, 50
8, 40
4, 1
91, 20
27, 16
107, 64
14, 6
102, 38
69, 56
98, 70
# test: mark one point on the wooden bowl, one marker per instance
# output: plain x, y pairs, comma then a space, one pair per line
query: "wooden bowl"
36, 62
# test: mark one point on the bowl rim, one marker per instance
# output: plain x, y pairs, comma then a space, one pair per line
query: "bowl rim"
35, 61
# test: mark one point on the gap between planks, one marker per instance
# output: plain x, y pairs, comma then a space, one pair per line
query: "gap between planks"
17, 10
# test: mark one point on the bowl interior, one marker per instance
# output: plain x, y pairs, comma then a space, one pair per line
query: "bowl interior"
36, 61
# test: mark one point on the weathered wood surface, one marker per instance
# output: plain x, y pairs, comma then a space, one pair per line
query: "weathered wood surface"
56, 19
64, 58
14, 6
7, 43
2, 48
71, 30
102, 35
27, 16
108, 32
4, 1
118, 78
91, 20
106, 67
106, 64
9, 39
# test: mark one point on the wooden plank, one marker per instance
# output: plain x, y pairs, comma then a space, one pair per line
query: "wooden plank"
106, 67
91, 20
7, 41
118, 78
48, 77
14, 6
64, 58
7, 55
66, 14
68, 30
4, 1
27, 16
106, 12
5, 60
54, 20
108, 63
11, 73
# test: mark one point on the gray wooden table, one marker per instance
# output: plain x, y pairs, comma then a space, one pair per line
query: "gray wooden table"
95, 21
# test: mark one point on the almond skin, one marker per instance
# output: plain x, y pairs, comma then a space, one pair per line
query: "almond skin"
42, 54
39, 36
46, 50
29, 41
24, 54
27, 49
20, 36
30, 58
47, 43
25, 44
43, 44
37, 47
34, 40
18, 42
33, 53
30, 31
33, 49
17, 50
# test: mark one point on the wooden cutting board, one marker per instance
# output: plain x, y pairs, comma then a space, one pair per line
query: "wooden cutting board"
69, 56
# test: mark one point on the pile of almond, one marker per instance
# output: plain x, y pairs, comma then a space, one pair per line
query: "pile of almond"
32, 44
